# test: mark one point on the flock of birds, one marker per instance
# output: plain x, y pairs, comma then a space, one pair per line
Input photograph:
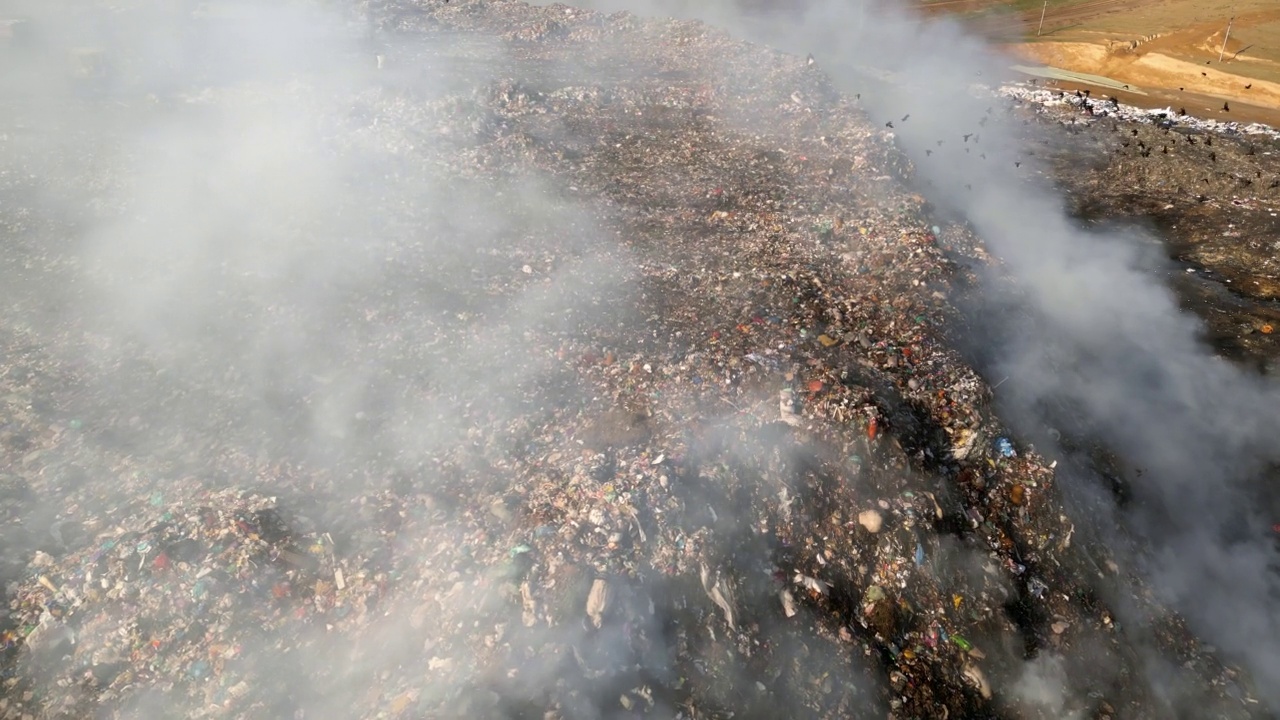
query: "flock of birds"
1141, 147
1091, 107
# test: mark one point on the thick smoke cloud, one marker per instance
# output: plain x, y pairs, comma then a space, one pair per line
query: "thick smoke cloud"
1092, 340
272, 262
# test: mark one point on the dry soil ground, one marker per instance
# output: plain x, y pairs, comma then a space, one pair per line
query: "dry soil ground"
1169, 48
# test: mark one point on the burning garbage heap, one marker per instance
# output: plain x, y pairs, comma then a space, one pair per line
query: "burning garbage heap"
729, 464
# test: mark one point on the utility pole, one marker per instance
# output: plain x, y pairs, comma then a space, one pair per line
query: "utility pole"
1225, 38
1043, 8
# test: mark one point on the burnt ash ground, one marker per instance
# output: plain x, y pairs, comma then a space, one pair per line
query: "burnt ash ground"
700, 443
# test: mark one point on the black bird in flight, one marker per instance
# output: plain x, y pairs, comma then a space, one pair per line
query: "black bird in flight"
928, 153
1204, 74
1182, 111
1246, 87
940, 143
1017, 164
904, 117
1165, 149
1226, 107
967, 136
1135, 132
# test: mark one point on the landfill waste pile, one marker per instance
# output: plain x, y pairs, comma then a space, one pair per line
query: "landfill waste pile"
1095, 107
1211, 188
632, 392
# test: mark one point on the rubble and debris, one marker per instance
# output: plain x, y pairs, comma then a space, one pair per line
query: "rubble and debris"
871, 520
612, 507
598, 601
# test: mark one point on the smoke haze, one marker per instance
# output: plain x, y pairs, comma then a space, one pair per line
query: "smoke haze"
262, 249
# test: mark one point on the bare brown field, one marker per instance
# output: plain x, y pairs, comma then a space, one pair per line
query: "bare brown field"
1178, 51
